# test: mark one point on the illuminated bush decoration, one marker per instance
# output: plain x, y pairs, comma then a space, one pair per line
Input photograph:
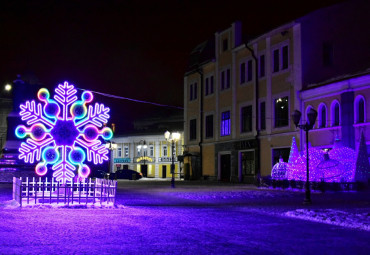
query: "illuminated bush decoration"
63, 132
340, 164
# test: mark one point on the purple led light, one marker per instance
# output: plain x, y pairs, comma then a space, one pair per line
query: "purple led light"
63, 133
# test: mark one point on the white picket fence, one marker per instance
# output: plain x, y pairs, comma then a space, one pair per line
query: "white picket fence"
48, 191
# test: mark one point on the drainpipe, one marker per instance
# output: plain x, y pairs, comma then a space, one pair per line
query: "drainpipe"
256, 95
201, 121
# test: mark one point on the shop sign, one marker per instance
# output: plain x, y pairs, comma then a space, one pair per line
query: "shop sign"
122, 160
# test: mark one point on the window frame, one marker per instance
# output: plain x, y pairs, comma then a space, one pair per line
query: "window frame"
357, 109
320, 117
243, 128
282, 96
333, 113
225, 123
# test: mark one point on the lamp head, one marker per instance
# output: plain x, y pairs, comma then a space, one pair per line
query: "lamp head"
167, 135
311, 115
296, 117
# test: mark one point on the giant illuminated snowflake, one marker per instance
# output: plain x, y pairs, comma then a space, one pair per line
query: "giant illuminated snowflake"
63, 132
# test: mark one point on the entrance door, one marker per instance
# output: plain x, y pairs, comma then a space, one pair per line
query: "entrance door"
164, 171
144, 170
225, 167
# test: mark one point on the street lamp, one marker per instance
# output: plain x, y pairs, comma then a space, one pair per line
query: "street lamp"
173, 138
142, 148
8, 87
110, 146
311, 115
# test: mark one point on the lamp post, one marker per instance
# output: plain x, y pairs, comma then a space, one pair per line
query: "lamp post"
110, 146
173, 138
311, 115
142, 148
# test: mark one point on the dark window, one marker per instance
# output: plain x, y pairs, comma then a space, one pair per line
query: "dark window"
336, 115
222, 80
281, 112
211, 85
249, 77
228, 78
327, 54
246, 119
225, 45
276, 60
285, 58
193, 129
225, 123
195, 90
242, 73
191, 92
207, 86
323, 117
262, 66
263, 115
209, 126
361, 111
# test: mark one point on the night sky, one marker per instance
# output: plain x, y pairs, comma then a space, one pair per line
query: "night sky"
136, 49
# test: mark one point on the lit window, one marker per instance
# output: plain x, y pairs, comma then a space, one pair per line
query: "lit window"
126, 152
360, 110
281, 112
225, 123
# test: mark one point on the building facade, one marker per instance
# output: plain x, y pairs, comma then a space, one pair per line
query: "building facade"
239, 95
150, 155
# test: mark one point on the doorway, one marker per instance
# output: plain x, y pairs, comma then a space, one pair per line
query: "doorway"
164, 171
225, 167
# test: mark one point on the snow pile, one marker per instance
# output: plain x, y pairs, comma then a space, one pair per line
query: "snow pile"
333, 217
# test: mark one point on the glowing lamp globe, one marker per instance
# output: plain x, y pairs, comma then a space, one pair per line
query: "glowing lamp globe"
63, 133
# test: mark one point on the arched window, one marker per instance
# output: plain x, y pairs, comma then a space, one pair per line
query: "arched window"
360, 109
322, 115
335, 113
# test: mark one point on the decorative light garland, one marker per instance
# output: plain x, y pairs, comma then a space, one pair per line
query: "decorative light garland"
63, 132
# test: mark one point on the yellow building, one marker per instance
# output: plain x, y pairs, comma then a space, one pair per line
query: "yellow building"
225, 94
150, 155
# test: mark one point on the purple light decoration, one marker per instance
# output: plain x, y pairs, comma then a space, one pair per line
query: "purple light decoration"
63, 132
338, 165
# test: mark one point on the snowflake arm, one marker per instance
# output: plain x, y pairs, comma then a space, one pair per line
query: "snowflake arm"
65, 95
32, 113
63, 170
95, 151
97, 115
31, 150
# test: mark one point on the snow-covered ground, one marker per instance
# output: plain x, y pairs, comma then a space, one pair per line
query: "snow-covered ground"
152, 218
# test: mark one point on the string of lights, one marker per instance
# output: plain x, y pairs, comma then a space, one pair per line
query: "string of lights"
134, 100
